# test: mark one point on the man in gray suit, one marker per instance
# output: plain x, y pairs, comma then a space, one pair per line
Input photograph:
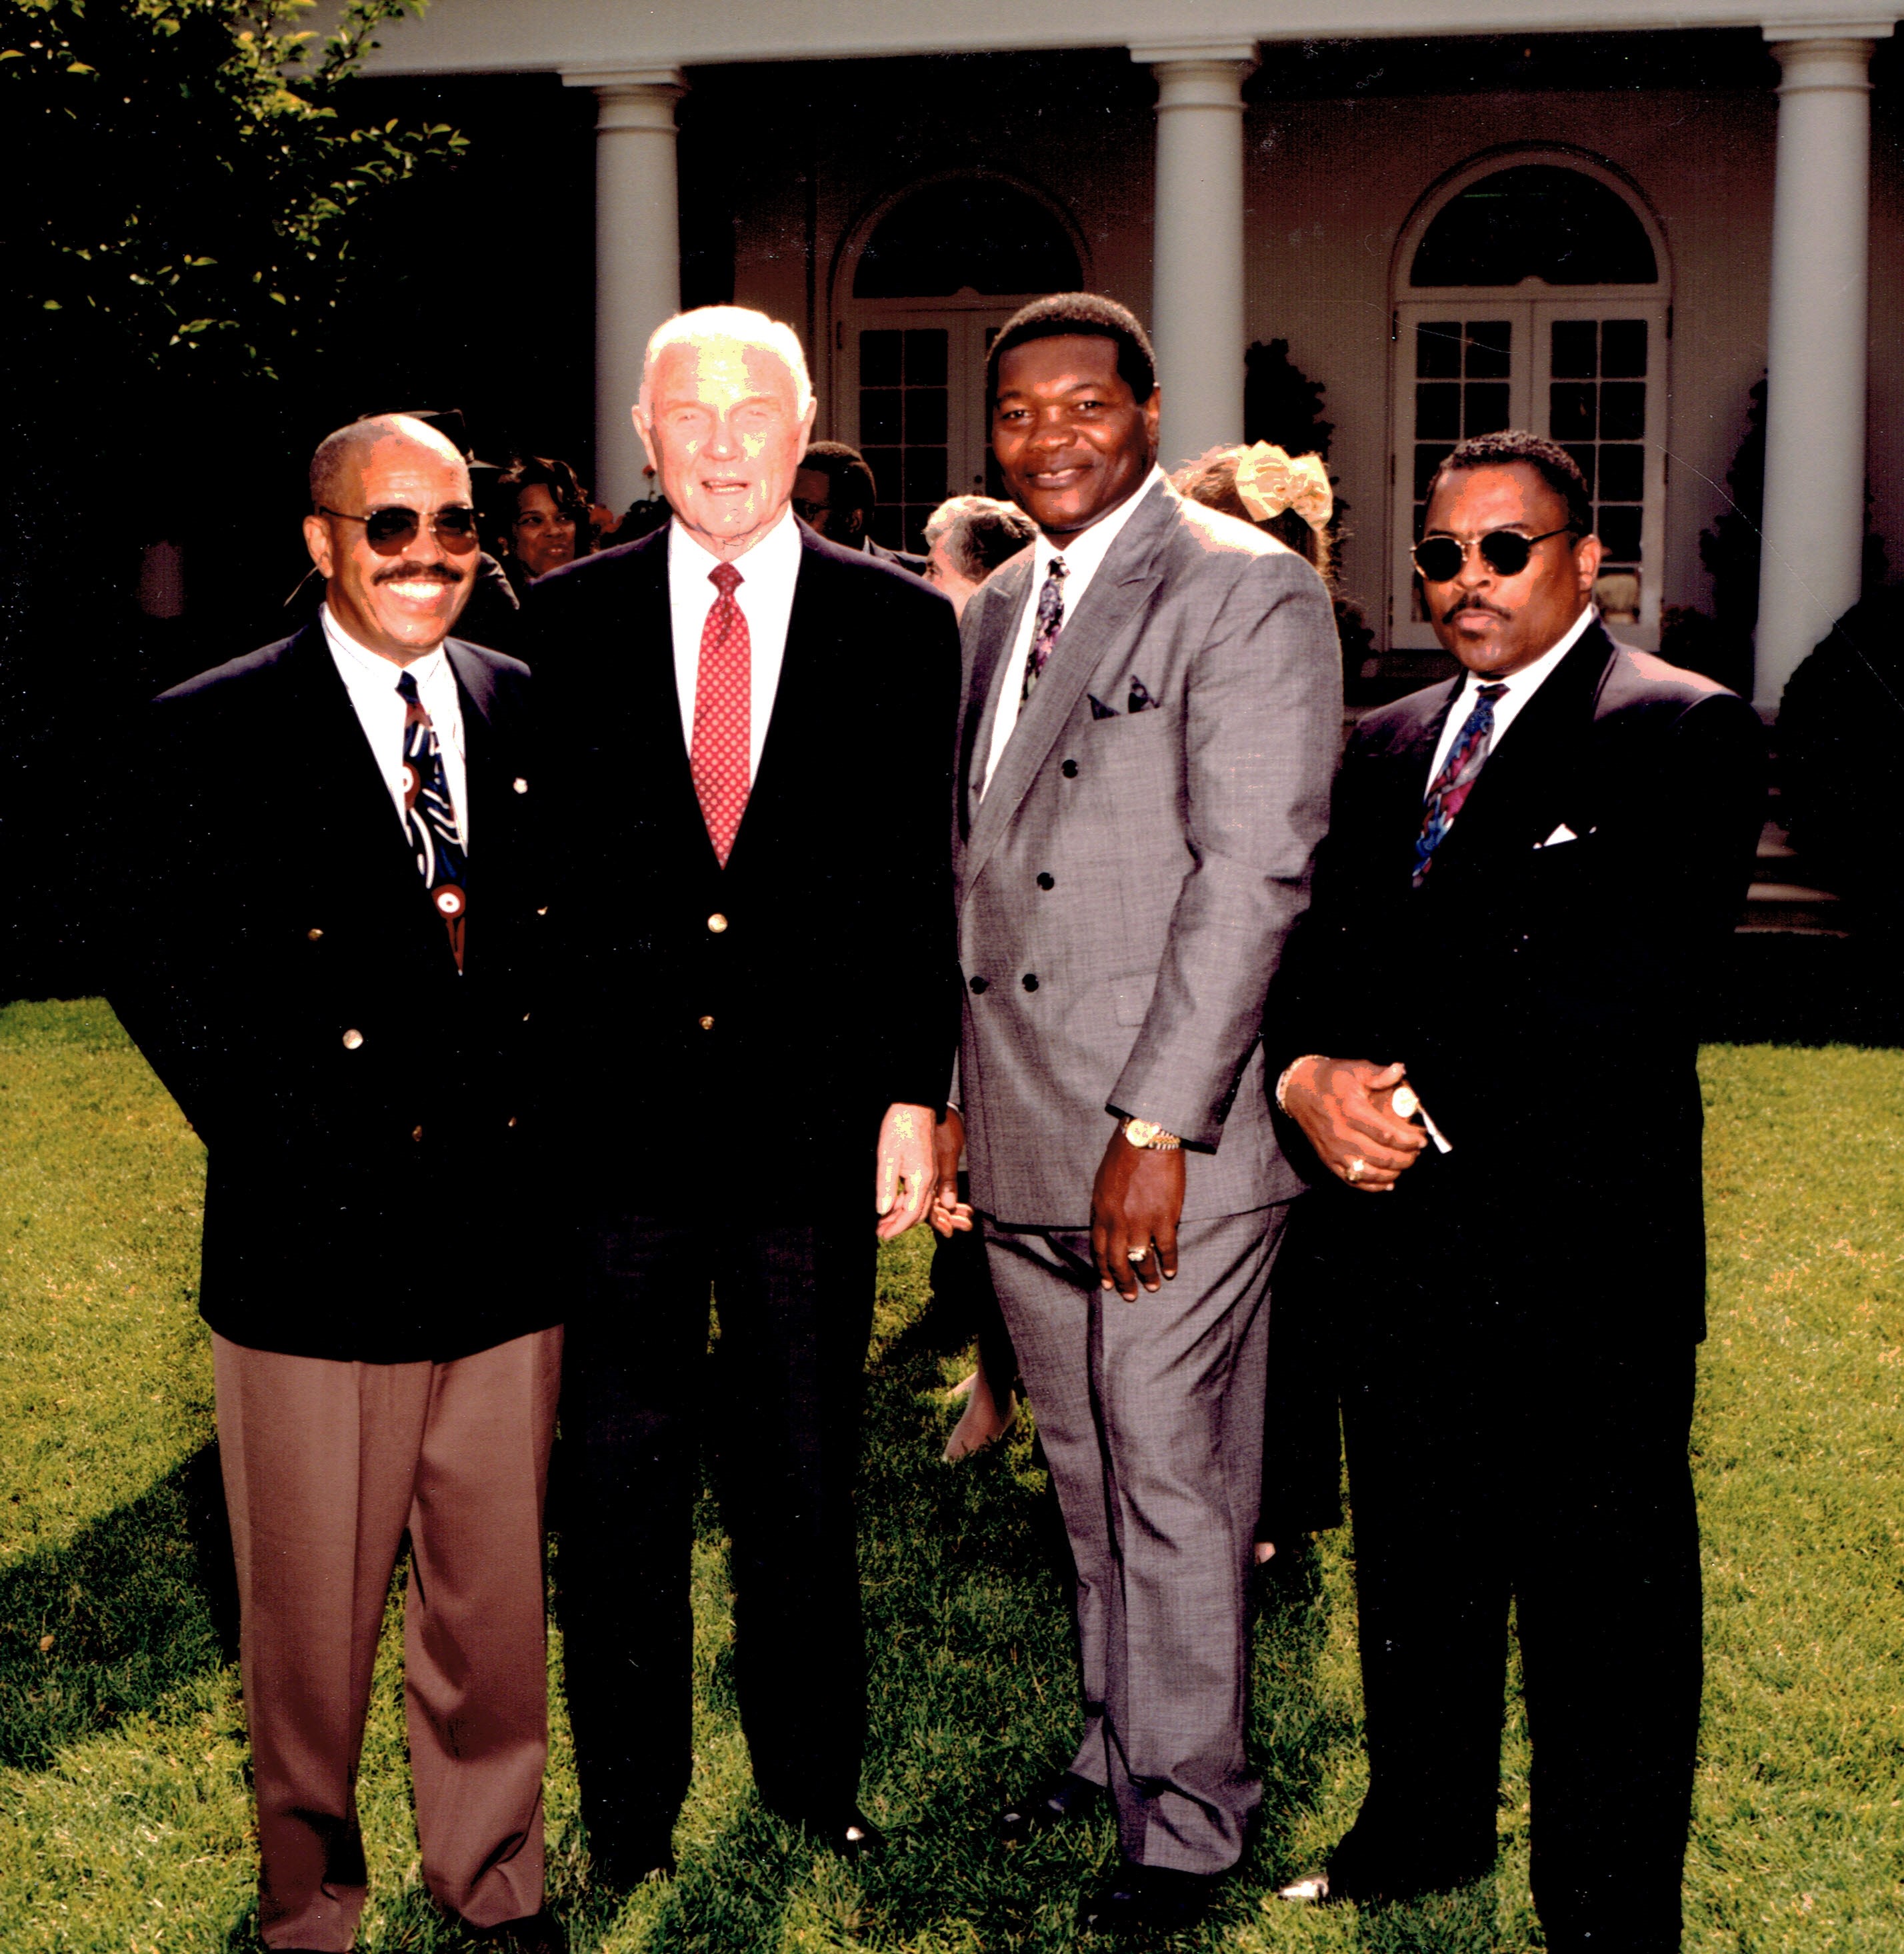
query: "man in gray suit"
1151, 703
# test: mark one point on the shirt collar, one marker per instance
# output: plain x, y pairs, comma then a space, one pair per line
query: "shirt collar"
777, 553
362, 666
1085, 550
1524, 682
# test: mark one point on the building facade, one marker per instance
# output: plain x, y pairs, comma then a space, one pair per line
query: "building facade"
1607, 224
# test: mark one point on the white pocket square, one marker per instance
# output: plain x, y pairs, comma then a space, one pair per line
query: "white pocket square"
1562, 832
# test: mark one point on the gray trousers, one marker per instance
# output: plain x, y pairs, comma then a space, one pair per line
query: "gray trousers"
1151, 1417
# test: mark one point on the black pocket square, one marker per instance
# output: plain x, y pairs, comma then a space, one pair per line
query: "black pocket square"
1140, 700
1098, 708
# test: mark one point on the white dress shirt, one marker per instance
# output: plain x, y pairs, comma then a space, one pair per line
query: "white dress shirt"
371, 679
768, 572
1521, 686
1082, 554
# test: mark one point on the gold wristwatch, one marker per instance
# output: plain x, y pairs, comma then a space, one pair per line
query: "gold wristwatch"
1147, 1134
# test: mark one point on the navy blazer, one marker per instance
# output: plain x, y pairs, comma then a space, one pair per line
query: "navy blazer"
368, 1111
1542, 985
793, 994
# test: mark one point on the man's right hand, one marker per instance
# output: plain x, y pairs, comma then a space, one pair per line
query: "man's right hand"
949, 1214
1342, 1104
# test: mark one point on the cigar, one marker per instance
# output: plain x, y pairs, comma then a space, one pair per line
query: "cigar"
1408, 1106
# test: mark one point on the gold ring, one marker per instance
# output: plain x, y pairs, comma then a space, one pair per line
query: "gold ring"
1137, 1255
1356, 1169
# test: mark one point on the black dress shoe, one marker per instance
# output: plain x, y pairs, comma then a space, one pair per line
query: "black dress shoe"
1067, 1795
1149, 1899
534, 1933
620, 1868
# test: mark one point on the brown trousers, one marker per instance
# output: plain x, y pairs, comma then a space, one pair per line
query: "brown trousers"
327, 1465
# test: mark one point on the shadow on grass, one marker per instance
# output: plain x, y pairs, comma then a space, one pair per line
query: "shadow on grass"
100, 1629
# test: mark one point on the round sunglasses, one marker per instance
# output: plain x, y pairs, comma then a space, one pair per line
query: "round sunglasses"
1506, 552
390, 531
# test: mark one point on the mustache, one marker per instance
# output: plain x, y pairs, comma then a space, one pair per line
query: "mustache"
420, 572
1461, 604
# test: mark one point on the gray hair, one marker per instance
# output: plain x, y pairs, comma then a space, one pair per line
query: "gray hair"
738, 323
340, 453
980, 533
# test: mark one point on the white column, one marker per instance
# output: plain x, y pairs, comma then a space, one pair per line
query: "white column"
1816, 342
637, 255
1196, 318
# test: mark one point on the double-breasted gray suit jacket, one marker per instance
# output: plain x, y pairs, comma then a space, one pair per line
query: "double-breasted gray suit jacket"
1125, 885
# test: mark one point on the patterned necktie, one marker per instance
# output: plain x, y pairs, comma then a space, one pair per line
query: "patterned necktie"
1456, 781
430, 817
1051, 621
718, 755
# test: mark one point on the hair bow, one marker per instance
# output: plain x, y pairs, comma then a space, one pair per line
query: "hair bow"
1269, 482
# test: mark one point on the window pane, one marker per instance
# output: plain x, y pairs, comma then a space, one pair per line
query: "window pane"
1437, 413
926, 356
1623, 410
1573, 349
878, 414
1623, 349
1570, 415
1584, 455
1490, 341
1487, 409
1623, 474
1437, 350
924, 475
1619, 533
884, 463
925, 414
1535, 221
879, 359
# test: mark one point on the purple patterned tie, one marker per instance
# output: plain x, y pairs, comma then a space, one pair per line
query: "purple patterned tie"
431, 817
1051, 621
1456, 781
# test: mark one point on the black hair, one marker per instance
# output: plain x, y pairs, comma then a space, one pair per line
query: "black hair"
1547, 459
849, 479
538, 471
1083, 314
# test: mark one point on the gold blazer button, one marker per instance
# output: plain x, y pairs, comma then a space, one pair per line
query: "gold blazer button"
352, 1039
519, 784
717, 923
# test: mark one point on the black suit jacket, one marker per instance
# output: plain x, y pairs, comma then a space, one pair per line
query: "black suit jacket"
904, 559
366, 1108
1542, 991
828, 989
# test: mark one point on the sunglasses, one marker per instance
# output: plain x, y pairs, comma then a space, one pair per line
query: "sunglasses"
388, 531
1506, 552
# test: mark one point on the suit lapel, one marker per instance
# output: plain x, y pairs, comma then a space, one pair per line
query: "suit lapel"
800, 700
1518, 788
476, 682
1003, 617
1112, 613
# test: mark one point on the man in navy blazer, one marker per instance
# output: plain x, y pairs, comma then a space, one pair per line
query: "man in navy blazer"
328, 956
1527, 873
755, 731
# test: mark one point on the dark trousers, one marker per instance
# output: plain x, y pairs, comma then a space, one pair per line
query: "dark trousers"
1493, 1457
778, 1399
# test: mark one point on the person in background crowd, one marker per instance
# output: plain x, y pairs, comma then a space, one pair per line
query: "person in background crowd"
1484, 1030
759, 1022
970, 536
1293, 501
541, 512
1152, 704
967, 538
835, 491
330, 957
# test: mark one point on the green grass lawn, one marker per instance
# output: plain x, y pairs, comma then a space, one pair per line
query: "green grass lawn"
125, 1813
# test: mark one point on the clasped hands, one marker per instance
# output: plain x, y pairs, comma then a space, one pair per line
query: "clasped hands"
1345, 1109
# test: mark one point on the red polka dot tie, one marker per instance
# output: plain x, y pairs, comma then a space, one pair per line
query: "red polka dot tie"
723, 696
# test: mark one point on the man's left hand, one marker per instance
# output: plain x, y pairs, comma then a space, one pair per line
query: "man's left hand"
1136, 1202
906, 1177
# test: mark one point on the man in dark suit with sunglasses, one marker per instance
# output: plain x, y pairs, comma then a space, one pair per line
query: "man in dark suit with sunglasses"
1527, 870
332, 927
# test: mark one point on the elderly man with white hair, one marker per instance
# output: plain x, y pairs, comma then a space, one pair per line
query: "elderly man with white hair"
752, 733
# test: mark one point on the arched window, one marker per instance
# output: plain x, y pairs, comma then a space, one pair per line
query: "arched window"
923, 286
1532, 293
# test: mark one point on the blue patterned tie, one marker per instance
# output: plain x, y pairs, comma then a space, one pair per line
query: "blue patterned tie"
429, 816
1456, 781
1051, 621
